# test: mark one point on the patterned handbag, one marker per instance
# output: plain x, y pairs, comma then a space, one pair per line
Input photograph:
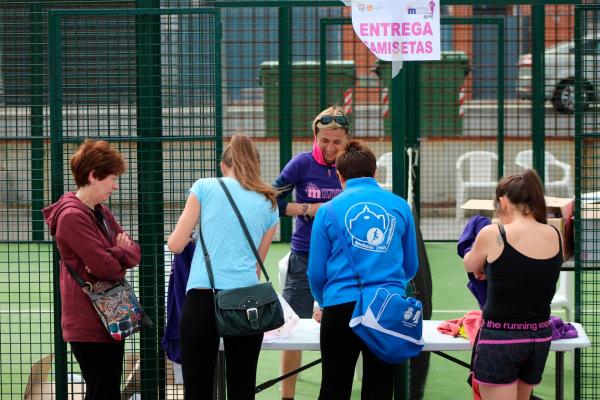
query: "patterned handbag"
117, 306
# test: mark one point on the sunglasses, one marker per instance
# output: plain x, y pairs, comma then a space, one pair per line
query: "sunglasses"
339, 119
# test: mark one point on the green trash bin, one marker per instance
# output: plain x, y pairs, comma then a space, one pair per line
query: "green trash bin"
440, 85
306, 89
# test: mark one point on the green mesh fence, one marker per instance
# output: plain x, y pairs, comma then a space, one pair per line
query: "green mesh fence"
150, 81
156, 86
587, 152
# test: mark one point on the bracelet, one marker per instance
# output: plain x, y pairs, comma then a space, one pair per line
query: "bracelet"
305, 208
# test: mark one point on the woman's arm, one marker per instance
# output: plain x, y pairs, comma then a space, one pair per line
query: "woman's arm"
188, 220
263, 248
82, 236
126, 250
475, 259
320, 250
291, 209
409, 246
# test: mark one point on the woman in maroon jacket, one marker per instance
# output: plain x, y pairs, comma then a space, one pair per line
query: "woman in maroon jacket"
94, 245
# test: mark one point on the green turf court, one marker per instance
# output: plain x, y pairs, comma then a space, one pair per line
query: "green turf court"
26, 317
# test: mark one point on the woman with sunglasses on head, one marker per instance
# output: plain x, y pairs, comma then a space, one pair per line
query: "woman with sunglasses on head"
521, 259
313, 178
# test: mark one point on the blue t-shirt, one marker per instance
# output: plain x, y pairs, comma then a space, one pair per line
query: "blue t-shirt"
233, 262
313, 183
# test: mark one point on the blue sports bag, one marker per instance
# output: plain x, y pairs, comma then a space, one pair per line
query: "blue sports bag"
389, 323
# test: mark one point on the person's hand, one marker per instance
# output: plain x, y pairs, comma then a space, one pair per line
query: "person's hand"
123, 240
312, 211
480, 275
317, 314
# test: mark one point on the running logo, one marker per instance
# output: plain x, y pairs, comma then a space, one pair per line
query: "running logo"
370, 226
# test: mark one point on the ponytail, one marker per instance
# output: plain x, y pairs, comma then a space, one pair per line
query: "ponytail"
525, 191
242, 157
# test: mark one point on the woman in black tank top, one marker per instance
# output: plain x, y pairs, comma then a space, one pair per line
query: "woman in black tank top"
521, 260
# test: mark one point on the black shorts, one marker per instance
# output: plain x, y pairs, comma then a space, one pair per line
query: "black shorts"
502, 357
297, 289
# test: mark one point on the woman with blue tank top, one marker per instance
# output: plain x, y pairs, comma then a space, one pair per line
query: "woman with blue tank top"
521, 259
234, 265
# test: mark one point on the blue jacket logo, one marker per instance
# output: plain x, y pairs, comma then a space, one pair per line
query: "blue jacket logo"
370, 226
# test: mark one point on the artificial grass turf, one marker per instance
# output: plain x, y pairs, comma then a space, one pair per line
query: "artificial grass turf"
451, 299
25, 285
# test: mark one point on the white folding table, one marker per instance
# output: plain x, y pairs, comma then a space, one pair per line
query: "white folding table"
306, 337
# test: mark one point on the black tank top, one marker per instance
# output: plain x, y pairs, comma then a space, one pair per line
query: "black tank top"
520, 288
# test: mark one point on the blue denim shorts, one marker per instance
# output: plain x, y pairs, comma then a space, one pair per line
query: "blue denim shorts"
504, 356
297, 289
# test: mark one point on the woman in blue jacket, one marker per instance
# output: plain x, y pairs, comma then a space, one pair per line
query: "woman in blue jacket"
379, 230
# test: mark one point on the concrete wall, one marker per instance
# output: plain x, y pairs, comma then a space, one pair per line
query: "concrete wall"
184, 162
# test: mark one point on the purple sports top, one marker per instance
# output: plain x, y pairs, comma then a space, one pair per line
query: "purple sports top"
313, 183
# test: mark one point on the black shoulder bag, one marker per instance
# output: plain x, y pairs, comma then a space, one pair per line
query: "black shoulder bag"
247, 310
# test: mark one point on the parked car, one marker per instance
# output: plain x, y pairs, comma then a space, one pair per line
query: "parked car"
559, 63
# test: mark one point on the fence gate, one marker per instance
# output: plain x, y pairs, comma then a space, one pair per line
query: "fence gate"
587, 182
148, 81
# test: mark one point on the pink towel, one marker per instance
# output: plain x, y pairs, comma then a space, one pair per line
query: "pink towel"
471, 322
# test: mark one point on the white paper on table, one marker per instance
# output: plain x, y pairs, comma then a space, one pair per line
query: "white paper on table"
289, 326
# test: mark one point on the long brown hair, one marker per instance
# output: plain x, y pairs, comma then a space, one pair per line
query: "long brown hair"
526, 192
241, 156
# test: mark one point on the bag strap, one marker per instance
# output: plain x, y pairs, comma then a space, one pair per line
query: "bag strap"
78, 278
211, 277
244, 227
75, 276
336, 225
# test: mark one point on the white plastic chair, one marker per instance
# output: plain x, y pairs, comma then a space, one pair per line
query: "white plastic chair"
524, 159
384, 171
563, 298
481, 167
283, 270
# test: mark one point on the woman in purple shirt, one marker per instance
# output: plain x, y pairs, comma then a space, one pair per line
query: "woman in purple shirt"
312, 176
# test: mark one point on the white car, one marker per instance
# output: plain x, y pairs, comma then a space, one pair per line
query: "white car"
559, 63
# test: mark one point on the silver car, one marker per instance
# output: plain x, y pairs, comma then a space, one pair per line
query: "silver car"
560, 74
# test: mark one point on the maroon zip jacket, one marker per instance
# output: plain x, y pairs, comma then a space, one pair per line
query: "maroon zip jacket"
82, 242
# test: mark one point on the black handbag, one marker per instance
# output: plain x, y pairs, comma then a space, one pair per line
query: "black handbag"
247, 310
116, 304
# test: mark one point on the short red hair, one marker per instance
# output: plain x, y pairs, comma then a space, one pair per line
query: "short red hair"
97, 157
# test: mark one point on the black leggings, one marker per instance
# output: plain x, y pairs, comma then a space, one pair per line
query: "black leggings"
101, 366
199, 343
340, 348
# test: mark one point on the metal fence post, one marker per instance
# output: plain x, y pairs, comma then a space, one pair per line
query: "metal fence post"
36, 116
54, 57
285, 102
538, 129
151, 197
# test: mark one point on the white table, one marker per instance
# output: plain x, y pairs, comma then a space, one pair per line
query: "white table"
306, 337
